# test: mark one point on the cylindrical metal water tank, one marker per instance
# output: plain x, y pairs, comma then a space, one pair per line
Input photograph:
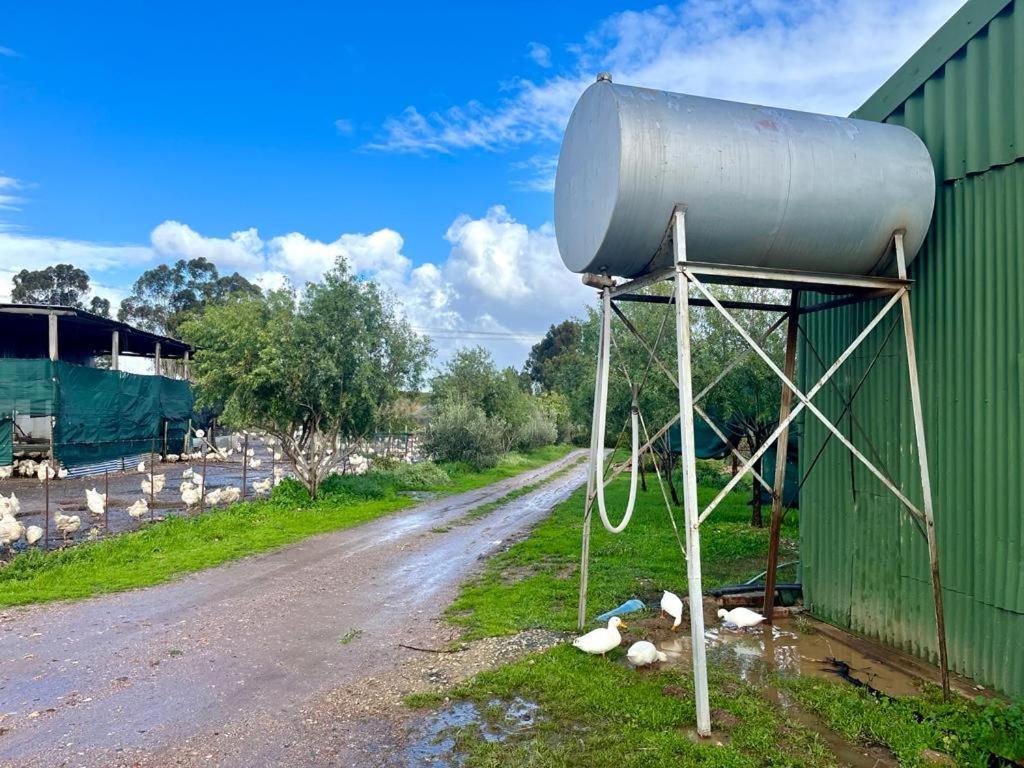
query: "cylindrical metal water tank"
761, 187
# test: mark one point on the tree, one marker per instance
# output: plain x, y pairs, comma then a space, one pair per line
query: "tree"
62, 284
100, 306
318, 373
542, 363
165, 296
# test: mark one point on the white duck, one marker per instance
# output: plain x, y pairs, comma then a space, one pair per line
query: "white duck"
601, 640
138, 509
673, 606
740, 618
642, 653
33, 534
95, 501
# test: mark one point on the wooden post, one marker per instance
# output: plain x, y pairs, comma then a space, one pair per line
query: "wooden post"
185, 447
781, 449
52, 336
157, 360
185, 365
922, 458
115, 350
165, 438
245, 462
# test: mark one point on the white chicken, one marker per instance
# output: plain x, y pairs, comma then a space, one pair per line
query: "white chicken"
230, 494
95, 501
263, 486
255, 463
9, 505
250, 452
33, 534
138, 509
28, 468
187, 474
190, 495
10, 530
67, 524
62, 473
45, 471
155, 485
172, 457
141, 468
277, 455
6, 471
213, 497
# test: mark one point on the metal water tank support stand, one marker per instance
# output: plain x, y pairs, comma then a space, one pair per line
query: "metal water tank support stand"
686, 274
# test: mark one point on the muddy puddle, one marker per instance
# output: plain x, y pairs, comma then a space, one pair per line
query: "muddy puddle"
431, 738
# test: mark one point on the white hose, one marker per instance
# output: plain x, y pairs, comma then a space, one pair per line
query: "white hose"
601, 408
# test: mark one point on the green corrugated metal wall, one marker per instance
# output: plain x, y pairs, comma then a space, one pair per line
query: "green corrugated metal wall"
865, 564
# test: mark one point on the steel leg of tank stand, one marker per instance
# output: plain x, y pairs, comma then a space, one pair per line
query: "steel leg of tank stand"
689, 461
922, 458
592, 481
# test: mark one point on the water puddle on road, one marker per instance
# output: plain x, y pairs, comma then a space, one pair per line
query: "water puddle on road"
432, 737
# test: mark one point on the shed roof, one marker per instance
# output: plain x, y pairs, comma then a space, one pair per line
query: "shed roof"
961, 92
80, 333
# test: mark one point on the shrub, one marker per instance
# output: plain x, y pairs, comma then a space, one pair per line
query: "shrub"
538, 430
419, 477
357, 487
710, 475
462, 432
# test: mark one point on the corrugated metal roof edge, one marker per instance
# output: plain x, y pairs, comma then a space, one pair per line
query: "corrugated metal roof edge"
930, 57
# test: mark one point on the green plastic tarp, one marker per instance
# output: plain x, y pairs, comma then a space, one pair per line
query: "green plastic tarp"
6, 441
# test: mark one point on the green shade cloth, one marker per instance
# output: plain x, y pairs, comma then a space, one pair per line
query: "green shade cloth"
6, 444
100, 414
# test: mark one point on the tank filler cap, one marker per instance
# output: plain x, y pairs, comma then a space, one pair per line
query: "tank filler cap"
604, 77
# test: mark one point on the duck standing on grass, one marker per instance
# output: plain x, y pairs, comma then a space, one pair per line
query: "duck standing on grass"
601, 640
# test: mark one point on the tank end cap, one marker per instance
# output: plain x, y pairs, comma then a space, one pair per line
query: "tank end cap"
604, 77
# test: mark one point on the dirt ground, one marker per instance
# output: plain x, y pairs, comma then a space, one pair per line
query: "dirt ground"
271, 660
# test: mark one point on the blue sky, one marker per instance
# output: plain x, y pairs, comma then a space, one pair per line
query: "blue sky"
416, 139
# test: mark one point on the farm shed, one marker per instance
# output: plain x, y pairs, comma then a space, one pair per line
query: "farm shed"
865, 567
54, 397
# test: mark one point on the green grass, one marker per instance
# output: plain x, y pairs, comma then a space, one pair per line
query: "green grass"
532, 585
970, 731
597, 712
178, 545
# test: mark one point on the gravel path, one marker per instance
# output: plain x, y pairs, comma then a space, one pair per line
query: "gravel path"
235, 665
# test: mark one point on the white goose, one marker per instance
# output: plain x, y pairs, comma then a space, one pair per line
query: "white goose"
601, 640
740, 618
642, 653
672, 606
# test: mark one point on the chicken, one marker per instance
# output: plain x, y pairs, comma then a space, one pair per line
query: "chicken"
190, 495
10, 530
187, 474
62, 473
172, 457
142, 467
263, 486
6, 471
44, 471
230, 494
277, 455
155, 485
138, 509
93, 533
10, 505
95, 501
255, 463
67, 524
33, 534
28, 468
250, 452
213, 497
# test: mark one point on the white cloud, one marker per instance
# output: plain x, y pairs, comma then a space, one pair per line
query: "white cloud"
541, 178
9, 52
242, 251
817, 55
540, 54
344, 127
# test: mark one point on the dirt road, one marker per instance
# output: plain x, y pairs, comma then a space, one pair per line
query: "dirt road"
219, 668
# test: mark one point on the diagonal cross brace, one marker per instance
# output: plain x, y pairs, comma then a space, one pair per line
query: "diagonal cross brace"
805, 399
